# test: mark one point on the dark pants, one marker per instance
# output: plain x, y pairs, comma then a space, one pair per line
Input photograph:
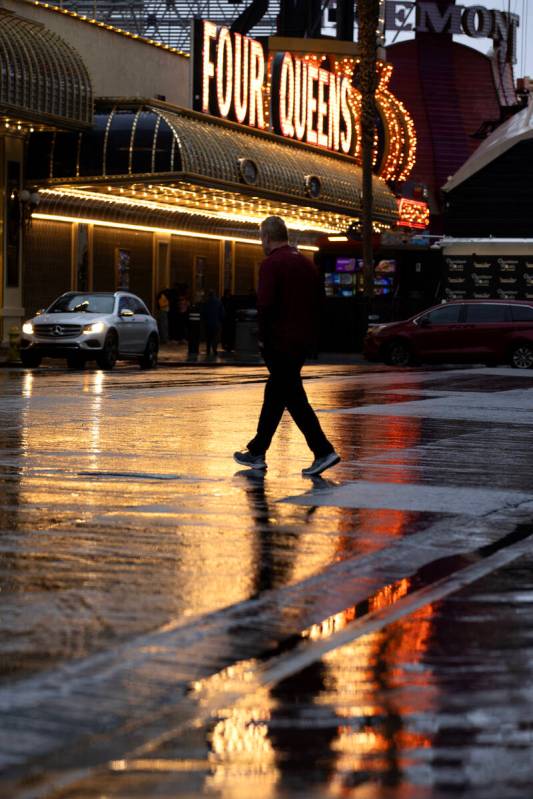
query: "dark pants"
284, 390
162, 323
211, 339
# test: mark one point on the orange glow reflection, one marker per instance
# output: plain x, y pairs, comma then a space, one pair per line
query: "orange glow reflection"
383, 441
366, 679
242, 758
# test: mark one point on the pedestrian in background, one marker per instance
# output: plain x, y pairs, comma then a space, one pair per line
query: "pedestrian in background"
288, 304
162, 315
212, 316
172, 295
229, 323
182, 314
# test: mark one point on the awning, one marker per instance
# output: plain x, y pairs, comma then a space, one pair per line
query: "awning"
43, 79
145, 154
515, 130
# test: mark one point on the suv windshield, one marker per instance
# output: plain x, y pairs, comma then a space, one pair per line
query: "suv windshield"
88, 303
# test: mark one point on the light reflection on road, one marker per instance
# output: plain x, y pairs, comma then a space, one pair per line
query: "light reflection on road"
188, 545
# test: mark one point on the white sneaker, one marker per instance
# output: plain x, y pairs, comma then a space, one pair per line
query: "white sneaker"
320, 465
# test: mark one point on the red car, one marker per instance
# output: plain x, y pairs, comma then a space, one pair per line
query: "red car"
460, 331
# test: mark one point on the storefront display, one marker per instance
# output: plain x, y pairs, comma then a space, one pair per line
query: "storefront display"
488, 277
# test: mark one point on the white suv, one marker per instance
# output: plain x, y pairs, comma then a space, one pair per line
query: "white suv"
100, 326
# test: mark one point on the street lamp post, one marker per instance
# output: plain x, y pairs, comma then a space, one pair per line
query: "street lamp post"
368, 16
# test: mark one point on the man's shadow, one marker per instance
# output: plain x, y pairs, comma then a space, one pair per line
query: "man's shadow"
275, 542
292, 742
274, 545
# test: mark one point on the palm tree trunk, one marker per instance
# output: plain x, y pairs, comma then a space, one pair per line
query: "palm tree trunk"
368, 12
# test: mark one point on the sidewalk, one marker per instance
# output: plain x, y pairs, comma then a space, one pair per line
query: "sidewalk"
174, 354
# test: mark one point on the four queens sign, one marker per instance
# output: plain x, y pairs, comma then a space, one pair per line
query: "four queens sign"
309, 97
307, 103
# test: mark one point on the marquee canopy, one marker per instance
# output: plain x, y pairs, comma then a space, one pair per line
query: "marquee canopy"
162, 157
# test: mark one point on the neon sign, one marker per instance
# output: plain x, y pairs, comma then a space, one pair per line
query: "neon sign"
309, 97
413, 213
232, 75
308, 103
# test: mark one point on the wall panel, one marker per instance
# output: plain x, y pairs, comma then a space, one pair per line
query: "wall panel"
46, 268
139, 246
247, 260
183, 256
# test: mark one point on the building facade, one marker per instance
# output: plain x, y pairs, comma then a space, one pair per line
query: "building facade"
456, 94
159, 167
45, 86
488, 249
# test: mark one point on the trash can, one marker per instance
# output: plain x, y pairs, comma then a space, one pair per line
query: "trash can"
246, 346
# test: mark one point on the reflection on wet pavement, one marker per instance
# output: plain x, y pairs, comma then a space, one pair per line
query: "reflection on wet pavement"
147, 584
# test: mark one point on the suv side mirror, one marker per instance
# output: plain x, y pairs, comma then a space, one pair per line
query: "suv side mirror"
127, 313
424, 321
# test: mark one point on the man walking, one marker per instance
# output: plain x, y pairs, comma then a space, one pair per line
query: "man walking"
288, 300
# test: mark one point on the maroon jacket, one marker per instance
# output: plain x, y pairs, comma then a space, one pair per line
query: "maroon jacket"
288, 302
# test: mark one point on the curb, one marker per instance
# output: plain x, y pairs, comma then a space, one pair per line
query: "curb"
202, 362
212, 365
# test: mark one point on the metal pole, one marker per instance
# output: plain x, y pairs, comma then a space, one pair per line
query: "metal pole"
368, 12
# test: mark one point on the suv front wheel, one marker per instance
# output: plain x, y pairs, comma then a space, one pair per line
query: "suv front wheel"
522, 356
149, 358
108, 358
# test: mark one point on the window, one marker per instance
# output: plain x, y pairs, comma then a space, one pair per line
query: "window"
138, 306
484, 312
89, 303
122, 268
126, 303
445, 315
522, 313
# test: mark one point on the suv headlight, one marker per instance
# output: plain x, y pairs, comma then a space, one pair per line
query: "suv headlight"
27, 328
95, 327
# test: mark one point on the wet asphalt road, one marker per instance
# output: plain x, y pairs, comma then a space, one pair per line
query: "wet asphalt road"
171, 625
